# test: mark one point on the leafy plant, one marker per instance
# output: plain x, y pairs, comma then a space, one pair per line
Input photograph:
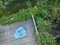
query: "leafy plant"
28, 3
58, 20
45, 39
41, 2
23, 14
42, 24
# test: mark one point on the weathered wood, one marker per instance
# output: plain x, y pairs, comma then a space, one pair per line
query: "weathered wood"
7, 38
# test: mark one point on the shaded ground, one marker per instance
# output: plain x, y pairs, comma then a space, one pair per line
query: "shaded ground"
7, 38
56, 32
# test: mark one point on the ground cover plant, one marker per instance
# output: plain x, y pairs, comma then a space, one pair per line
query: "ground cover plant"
23, 14
43, 37
48, 16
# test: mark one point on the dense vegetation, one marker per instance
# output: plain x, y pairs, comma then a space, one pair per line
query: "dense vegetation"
23, 14
44, 38
46, 13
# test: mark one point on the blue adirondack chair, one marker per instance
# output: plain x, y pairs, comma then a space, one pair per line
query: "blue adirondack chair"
20, 32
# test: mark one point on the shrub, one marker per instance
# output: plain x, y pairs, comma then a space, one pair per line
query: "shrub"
43, 25
23, 14
44, 38
49, 9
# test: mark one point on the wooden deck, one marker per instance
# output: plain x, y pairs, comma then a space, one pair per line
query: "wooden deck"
7, 32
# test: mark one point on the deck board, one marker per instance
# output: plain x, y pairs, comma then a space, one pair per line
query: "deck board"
7, 38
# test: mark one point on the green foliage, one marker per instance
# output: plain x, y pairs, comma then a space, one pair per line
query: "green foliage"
58, 20
48, 13
45, 11
41, 2
28, 3
2, 11
9, 7
1, 3
49, 9
34, 10
45, 39
23, 14
42, 24
54, 12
